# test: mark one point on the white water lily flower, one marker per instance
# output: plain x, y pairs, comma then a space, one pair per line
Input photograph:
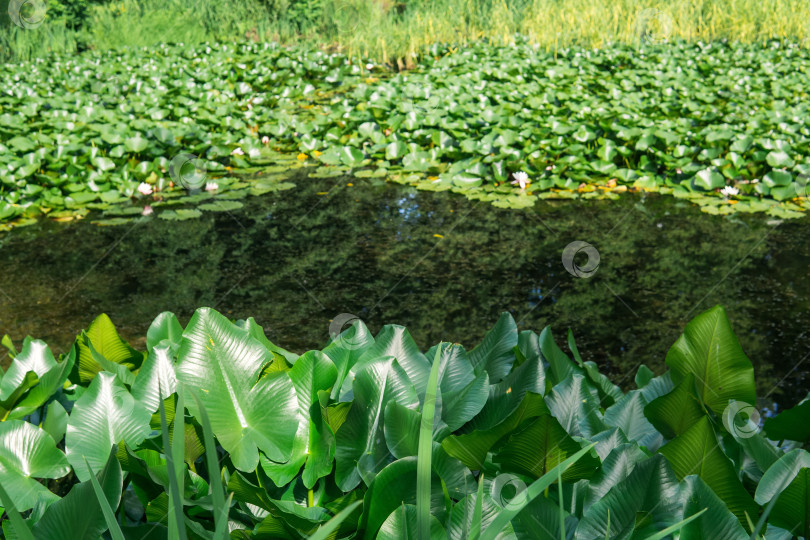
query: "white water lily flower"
211, 186
521, 178
265, 140
147, 210
728, 191
238, 152
144, 188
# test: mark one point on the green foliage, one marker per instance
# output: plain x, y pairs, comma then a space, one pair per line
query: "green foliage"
290, 451
293, 107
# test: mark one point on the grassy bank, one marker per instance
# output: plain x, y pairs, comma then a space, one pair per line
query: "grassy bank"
398, 31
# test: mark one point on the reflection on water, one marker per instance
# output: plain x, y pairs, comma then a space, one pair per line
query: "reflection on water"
439, 264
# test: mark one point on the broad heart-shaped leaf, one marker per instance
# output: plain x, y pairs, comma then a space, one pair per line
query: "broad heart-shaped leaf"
361, 451
165, 326
401, 525
221, 363
402, 436
78, 516
560, 366
506, 396
540, 445
156, 379
675, 412
716, 522
108, 344
791, 424
575, 404
463, 394
394, 340
697, 451
645, 502
789, 479
255, 330
710, 351
314, 444
102, 417
628, 415
494, 354
394, 485
541, 520
35, 356
28, 452
471, 448
615, 468
21, 404
344, 351
462, 517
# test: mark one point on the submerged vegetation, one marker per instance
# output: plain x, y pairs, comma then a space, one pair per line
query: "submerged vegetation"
370, 437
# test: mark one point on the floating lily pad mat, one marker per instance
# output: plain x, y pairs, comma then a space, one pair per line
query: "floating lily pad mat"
721, 125
440, 264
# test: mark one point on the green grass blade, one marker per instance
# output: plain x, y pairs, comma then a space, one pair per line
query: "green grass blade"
562, 511
17, 522
179, 437
212, 463
177, 529
221, 531
331, 526
425, 451
475, 527
672, 528
535, 489
106, 509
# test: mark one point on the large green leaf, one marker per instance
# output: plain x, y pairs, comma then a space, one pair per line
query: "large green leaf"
156, 379
540, 445
618, 464
361, 451
463, 394
35, 390
79, 516
221, 363
471, 448
109, 346
344, 351
575, 404
716, 522
791, 424
643, 503
709, 350
401, 525
35, 357
675, 412
560, 366
393, 486
28, 452
506, 396
103, 416
394, 340
697, 451
314, 445
789, 480
494, 354
165, 326
628, 415
463, 517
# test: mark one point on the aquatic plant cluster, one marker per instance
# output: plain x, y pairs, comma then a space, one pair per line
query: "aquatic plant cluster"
719, 124
215, 432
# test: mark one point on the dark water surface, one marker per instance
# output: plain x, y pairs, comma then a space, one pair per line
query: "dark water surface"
296, 259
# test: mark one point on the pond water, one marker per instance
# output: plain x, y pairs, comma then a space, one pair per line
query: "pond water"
439, 264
